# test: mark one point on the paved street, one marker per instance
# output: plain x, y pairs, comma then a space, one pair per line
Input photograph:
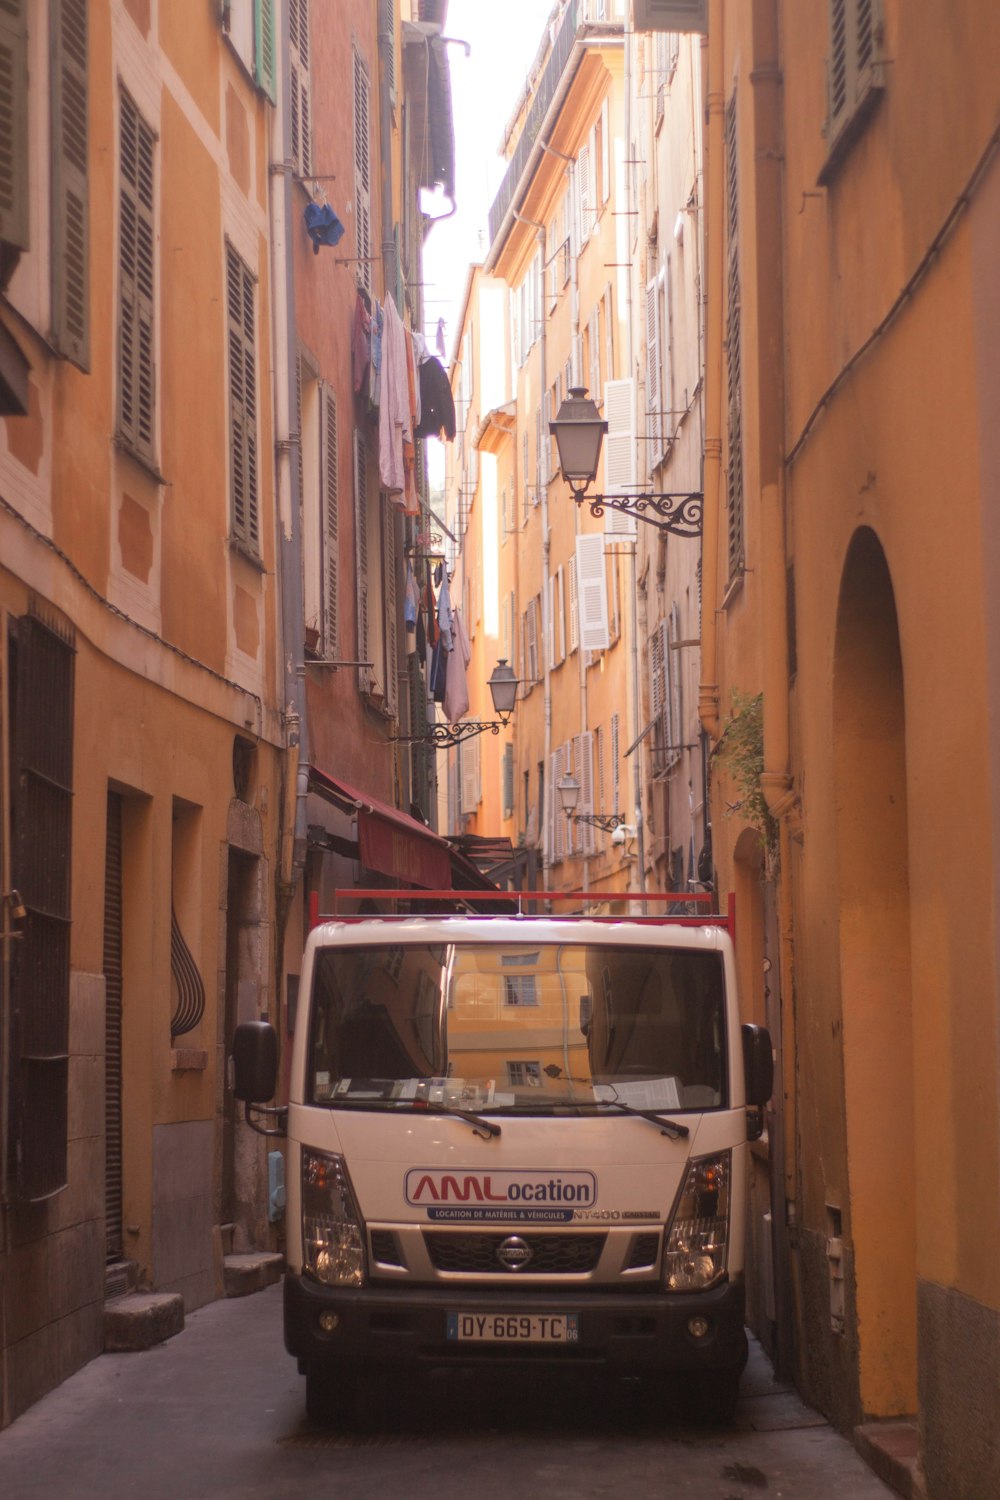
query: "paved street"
218, 1412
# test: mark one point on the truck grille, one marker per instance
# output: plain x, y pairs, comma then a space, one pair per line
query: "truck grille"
551, 1254
645, 1249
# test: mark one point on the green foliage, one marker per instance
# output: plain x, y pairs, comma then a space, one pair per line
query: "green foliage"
741, 748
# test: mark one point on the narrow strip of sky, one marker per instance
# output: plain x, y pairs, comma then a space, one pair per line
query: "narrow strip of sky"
485, 88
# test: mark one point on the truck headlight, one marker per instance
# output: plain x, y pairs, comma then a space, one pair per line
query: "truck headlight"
695, 1256
332, 1242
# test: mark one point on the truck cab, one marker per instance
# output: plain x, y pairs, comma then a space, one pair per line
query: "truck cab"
516, 1139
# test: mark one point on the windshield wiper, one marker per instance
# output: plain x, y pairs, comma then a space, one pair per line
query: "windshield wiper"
672, 1128
482, 1127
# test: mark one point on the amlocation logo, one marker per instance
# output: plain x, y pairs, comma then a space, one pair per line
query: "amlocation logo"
425, 1187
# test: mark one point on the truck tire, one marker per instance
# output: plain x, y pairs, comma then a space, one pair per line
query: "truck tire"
329, 1396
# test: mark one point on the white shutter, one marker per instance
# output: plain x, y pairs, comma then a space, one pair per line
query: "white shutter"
615, 766
620, 452
654, 399
469, 774
362, 171
593, 593
573, 196
574, 619
605, 151
559, 624
548, 630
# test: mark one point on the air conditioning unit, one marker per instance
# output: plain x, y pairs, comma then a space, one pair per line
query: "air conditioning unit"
670, 15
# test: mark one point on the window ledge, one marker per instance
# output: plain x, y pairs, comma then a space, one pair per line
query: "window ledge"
243, 549
147, 465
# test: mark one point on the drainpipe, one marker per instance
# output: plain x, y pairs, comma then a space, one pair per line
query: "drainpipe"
715, 103
284, 340
540, 235
640, 831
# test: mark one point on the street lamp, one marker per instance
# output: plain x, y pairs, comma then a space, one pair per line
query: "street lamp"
569, 795
579, 429
503, 685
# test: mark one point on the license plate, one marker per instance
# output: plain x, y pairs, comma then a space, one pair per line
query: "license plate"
514, 1328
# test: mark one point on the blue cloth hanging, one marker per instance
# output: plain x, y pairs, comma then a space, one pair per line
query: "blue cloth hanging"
323, 225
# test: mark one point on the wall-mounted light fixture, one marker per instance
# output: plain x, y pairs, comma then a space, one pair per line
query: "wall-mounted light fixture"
503, 686
569, 795
579, 429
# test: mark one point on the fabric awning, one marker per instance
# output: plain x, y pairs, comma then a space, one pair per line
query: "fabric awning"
389, 841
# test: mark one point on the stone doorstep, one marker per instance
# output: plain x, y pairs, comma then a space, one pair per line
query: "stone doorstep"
141, 1319
892, 1450
251, 1271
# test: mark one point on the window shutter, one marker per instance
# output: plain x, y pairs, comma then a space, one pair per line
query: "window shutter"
670, 15
468, 756
559, 626
14, 114
734, 470
855, 73
584, 761
330, 510
548, 625
298, 31
657, 694
593, 593
136, 283
508, 780
387, 27
244, 517
615, 765
265, 55
574, 617
361, 556
584, 177
605, 151
594, 350
609, 333
532, 632
70, 214
620, 452
362, 173
673, 685
654, 399
391, 616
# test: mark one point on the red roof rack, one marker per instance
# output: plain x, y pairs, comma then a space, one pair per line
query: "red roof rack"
518, 900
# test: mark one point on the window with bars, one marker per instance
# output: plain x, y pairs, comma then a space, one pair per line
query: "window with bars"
244, 515
40, 688
136, 283
855, 73
734, 379
299, 86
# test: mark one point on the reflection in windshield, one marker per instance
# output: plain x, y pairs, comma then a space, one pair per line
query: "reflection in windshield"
481, 1026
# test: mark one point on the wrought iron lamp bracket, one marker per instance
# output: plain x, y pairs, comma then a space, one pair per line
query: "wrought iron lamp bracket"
443, 736
679, 512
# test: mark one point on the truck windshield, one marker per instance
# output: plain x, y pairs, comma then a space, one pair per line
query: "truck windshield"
514, 1027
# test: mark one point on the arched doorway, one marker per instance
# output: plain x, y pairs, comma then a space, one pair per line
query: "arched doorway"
869, 766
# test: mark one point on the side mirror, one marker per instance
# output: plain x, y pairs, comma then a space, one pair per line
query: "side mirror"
758, 1064
255, 1062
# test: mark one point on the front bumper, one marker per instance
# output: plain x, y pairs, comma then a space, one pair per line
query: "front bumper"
622, 1332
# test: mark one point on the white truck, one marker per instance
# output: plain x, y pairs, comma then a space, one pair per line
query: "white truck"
515, 1138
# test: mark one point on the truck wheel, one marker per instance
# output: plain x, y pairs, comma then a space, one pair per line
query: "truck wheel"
329, 1397
709, 1397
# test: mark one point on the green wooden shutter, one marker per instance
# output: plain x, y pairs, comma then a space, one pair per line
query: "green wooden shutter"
13, 124
244, 519
265, 58
70, 215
